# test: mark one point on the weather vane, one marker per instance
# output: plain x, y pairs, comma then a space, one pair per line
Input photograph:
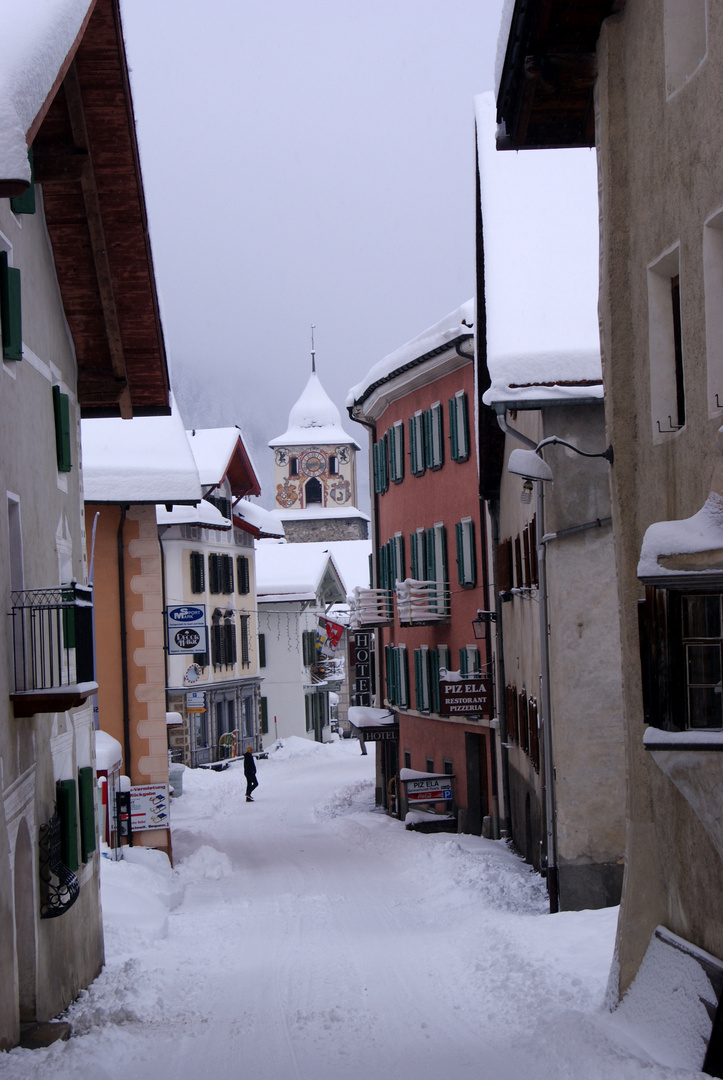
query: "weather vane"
313, 351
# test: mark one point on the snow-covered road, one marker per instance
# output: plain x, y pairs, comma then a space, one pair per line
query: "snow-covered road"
307, 936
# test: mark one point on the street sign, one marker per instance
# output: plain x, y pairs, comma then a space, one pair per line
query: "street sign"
473, 695
186, 629
429, 789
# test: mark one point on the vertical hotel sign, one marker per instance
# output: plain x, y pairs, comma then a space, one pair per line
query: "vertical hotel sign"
186, 626
363, 669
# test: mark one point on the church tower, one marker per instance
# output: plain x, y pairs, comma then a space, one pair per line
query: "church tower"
315, 471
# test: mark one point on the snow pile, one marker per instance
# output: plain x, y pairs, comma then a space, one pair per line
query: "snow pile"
314, 420
353, 799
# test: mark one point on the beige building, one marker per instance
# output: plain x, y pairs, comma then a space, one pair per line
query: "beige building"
643, 80
80, 336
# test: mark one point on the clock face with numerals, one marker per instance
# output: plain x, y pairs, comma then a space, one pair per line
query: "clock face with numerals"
313, 462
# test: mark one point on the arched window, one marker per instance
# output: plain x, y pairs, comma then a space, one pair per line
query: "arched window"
313, 491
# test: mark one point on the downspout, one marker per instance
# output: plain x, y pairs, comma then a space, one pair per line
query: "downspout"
501, 678
123, 642
546, 719
161, 532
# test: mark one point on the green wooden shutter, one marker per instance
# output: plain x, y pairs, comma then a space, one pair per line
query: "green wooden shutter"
431, 556
61, 411
86, 798
413, 452
392, 444
262, 650
67, 810
462, 427
463, 661
10, 310
459, 536
263, 715
434, 665
389, 666
428, 440
414, 556
242, 575
418, 685
453, 440
198, 577
403, 676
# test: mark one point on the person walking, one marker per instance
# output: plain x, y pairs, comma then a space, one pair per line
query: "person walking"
250, 773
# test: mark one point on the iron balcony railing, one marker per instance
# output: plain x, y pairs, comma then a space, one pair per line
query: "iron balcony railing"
52, 637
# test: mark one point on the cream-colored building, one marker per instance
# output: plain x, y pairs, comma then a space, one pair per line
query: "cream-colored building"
643, 80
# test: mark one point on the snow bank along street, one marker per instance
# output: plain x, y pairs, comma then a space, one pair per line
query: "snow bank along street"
307, 936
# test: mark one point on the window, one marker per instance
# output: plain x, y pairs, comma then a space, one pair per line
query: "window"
313, 493
407, 759
437, 565
263, 716
447, 767
293, 466
458, 427
10, 310
262, 650
511, 714
533, 740
430, 764
223, 639
421, 679
381, 470
333, 465
395, 437
435, 662
222, 504
519, 578
61, 411
242, 575
198, 576
418, 554
396, 559
397, 676
308, 647
466, 557
244, 641
220, 574
469, 660
504, 566
523, 728
665, 346
434, 437
416, 444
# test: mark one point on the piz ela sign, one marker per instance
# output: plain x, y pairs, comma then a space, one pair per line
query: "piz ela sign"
186, 629
469, 696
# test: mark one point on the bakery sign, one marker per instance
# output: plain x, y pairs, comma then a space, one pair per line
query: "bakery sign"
469, 696
186, 626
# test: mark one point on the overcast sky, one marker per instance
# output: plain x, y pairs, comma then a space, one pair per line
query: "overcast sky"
304, 161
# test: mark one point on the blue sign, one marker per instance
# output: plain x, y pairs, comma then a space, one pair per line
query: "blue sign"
186, 626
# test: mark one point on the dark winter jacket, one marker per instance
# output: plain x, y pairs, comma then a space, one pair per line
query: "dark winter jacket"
249, 764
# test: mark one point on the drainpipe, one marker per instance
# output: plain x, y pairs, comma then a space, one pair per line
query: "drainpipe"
162, 530
494, 512
123, 642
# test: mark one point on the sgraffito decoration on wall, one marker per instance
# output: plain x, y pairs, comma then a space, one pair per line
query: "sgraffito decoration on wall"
281, 456
286, 494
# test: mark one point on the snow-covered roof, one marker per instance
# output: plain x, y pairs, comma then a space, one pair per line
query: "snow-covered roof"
108, 751
318, 512
204, 514
37, 37
692, 545
296, 572
143, 460
264, 521
364, 716
540, 226
459, 323
314, 420
351, 558
216, 451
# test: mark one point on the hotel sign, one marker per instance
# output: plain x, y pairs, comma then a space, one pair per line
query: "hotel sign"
471, 696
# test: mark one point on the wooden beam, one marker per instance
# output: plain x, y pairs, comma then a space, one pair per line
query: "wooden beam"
76, 114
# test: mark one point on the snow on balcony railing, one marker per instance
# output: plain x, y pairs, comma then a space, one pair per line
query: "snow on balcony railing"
369, 607
422, 601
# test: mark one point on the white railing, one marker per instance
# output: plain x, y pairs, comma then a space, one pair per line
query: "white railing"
422, 601
369, 607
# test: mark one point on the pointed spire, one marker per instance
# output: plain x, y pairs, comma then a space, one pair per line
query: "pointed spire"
313, 350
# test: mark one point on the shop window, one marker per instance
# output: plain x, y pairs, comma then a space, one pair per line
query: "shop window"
466, 556
458, 427
416, 444
11, 321
395, 441
198, 575
61, 412
681, 639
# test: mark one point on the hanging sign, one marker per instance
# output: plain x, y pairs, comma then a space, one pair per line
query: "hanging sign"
186, 629
467, 696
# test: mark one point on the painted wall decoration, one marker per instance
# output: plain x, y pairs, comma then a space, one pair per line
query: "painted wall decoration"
313, 462
342, 453
287, 494
281, 456
340, 491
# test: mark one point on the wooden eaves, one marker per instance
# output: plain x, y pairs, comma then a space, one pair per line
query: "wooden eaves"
545, 97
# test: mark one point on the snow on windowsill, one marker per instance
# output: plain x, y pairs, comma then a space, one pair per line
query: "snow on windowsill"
657, 739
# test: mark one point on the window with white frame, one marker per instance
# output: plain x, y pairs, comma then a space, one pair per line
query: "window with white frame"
437, 565
466, 557
469, 663
418, 554
422, 680
417, 458
434, 436
458, 427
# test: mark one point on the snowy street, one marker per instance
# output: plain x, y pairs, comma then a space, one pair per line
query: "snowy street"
307, 936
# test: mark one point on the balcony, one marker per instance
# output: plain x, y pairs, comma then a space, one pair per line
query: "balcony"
369, 608
422, 603
53, 663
